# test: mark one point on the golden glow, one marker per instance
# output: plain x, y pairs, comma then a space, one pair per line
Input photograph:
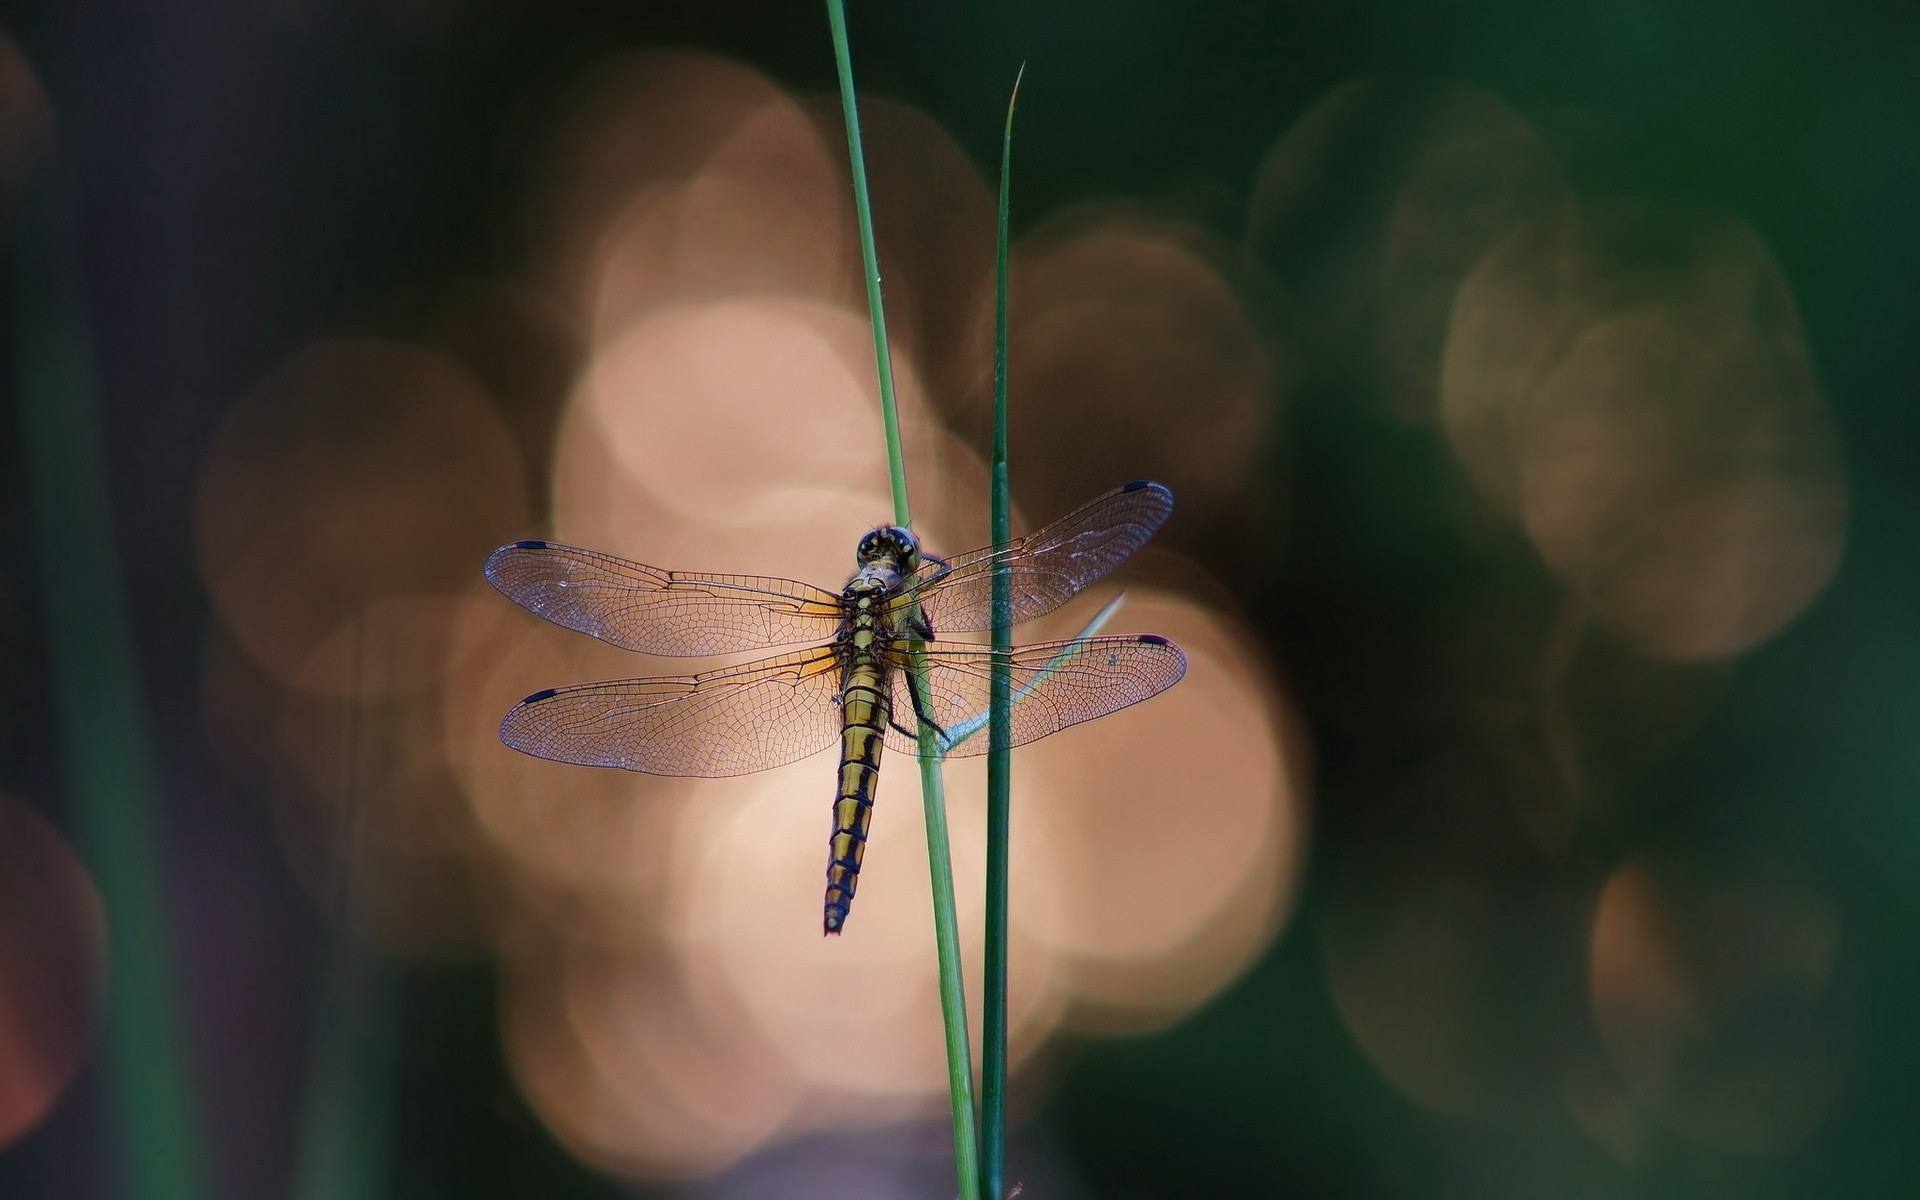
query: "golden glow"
695, 400
1633, 386
1409, 970
636, 122
626, 1071
670, 1002
766, 216
1169, 866
1434, 172
1146, 359
361, 469
341, 512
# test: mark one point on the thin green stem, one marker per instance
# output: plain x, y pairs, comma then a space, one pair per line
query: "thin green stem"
953, 998
993, 1017
876, 311
946, 936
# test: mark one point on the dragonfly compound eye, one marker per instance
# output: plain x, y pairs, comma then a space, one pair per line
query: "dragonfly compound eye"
888, 541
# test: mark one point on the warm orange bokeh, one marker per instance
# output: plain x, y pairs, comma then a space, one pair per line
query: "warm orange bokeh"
1370, 271
670, 1002
52, 967
1633, 386
1717, 1005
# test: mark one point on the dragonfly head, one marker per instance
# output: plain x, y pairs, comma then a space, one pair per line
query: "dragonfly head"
889, 545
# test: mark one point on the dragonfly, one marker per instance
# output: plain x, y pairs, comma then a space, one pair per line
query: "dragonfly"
857, 683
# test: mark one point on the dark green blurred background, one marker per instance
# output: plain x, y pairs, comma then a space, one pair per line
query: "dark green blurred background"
236, 180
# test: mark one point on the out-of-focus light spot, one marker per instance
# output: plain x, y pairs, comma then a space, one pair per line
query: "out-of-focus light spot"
52, 970
359, 471
26, 118
1613, 712
727, 414
1170, 833
740, 889
394, 645
1603, 1110
584, 848
904, 1160
1131, 356
933, 220
1404, 972
1449, 966
344, 507
1538, 289
1374, 206
767, 215
751, 925
1715, 1001
521, 343
629, 1072
664, 934
1479, 171
856, 1017
1684, 482
1634, 386
637, 121
374, 823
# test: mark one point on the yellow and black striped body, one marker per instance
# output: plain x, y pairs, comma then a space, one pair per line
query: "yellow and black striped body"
865, 708
874, 621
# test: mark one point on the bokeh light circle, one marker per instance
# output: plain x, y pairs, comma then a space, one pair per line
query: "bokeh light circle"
1715, 997
52, 967
1633, 386
360, 470
1171, 832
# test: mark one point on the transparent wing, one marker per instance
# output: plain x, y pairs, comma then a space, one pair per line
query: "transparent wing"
1047, 566
643, 608
1055, 684
732, 721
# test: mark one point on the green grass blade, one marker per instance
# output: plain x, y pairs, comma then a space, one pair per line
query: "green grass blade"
946, 934
953, 997
869, 257
105, 747
993, 1017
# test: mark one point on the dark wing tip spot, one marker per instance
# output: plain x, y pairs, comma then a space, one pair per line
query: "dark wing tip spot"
530, 544
1137, 484
1151, 639
542, 694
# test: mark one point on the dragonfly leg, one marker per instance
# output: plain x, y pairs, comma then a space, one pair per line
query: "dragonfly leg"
920, 709
918, 623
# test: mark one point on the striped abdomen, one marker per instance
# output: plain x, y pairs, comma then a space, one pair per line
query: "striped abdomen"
865, 710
